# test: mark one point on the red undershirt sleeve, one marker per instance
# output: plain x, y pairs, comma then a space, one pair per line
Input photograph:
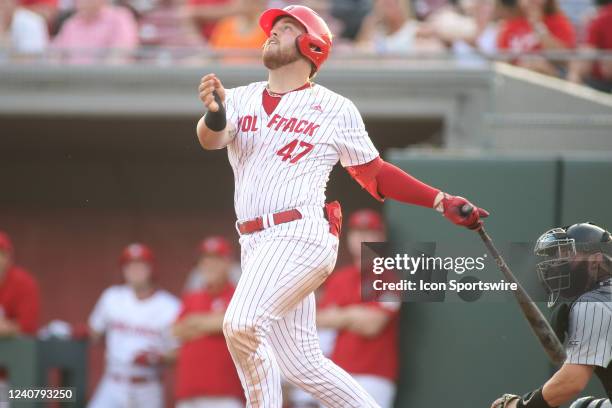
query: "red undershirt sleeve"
384, 180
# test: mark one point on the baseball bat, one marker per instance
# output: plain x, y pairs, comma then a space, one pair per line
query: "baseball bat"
538, 323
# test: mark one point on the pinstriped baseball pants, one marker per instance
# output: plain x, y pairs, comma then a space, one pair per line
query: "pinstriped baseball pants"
270, 324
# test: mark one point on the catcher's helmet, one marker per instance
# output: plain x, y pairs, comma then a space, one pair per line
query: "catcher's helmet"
136, 252
315, 44
590, 402
559, 272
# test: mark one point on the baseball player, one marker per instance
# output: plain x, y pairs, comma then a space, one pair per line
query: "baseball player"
136, 319
19, 304
283, 137
577, 268
205, 373
367, 329
19, 295
196, 279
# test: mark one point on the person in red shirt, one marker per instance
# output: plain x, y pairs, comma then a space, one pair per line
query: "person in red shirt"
205, 373
597, 74
367, 339
19, 295
537, 25
206, 13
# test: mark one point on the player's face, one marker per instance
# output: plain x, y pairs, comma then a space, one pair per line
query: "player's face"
137, 274
214, 269
280, 48
590, 263
356, 236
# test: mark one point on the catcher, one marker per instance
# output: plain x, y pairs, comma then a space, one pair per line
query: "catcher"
576, 271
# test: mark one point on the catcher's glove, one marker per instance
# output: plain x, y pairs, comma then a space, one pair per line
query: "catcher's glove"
505, 400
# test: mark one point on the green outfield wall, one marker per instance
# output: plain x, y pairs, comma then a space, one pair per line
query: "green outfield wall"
467, 354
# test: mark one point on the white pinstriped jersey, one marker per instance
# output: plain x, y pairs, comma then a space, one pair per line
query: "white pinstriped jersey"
589, 339
282, 161
134, 325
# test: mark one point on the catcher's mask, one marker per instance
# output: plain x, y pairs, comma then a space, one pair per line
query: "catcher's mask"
561, 272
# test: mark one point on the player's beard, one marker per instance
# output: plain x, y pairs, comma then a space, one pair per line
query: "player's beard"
275, 56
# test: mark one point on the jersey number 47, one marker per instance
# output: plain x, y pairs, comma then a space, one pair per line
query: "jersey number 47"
286, 152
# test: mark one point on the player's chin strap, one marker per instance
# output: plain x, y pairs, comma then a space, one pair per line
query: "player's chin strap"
533, 399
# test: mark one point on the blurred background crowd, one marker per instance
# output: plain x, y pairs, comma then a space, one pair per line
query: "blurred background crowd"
93, 159
147, 331
564, 38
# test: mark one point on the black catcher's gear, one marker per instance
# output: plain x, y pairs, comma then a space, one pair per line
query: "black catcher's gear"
560, 272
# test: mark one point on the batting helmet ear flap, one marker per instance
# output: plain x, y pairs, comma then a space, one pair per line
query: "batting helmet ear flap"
313, 48
302, 44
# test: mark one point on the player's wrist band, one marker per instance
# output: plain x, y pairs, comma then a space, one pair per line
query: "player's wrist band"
534, 399
216, 121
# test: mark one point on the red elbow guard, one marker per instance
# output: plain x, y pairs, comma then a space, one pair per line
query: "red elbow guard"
365, 175
382, 179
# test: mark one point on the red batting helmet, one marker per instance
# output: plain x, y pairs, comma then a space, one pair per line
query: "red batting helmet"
136, 252
316, 43
5, 243
215, 245
366, 219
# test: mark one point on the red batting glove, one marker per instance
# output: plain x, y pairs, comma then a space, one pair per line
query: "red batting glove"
460, 211
148, 358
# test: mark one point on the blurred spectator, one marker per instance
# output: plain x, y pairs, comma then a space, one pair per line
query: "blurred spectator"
98, 32
205, 373
138, 7
167, 25
367, 329
46, 8
163, 23
22, 31
19, 295
196, 280
467, 27
537, 25
424, 8
136, 318
597, 74
206, 13
391, 29
242, 30
350, 14
577, 11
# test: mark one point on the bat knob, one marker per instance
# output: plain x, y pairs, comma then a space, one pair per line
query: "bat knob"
466, 209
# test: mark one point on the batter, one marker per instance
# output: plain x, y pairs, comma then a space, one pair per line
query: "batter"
283, 137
